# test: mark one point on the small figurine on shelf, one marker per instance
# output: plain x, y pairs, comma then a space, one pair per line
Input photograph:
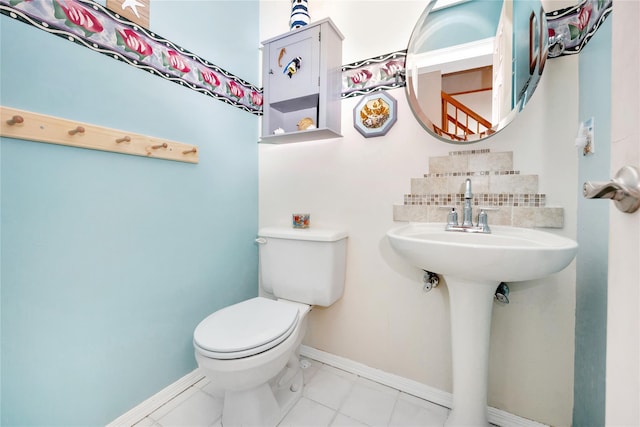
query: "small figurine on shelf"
306, 123
299, 14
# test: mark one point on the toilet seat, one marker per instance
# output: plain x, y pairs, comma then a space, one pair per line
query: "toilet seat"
245, 329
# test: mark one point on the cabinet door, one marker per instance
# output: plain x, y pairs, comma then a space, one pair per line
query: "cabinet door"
294, 66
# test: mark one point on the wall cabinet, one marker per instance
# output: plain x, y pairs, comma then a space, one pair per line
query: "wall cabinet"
301, 72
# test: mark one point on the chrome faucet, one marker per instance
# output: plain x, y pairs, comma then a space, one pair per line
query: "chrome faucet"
467, 215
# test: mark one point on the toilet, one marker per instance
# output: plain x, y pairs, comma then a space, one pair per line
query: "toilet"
250, 350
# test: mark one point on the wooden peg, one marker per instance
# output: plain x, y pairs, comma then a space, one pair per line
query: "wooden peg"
193, 150
78, 129
15, 120
123, 139
163, 145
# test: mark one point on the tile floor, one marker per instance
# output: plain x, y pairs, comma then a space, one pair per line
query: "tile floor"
331, 397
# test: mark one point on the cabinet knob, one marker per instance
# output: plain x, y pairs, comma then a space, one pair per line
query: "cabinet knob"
270, 71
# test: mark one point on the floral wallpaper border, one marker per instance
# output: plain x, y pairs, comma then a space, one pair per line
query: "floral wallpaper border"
571, 28
93, 26
379, 73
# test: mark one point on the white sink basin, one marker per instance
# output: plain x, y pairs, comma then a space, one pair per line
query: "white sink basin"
473, 265
508, 254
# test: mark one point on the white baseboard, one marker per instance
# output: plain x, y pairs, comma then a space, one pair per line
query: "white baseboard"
496, 416
145, 408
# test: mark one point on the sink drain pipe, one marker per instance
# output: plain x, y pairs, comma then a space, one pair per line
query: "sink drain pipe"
430, 280
502, 293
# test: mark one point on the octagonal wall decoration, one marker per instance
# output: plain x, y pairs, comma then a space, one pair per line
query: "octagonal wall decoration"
375, 114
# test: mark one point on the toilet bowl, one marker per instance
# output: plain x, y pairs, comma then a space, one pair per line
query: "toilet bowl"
250, 350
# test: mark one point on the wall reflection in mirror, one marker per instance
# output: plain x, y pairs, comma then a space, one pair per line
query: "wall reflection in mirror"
473, 65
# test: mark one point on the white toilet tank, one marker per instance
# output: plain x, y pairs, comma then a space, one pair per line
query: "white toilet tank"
306, 265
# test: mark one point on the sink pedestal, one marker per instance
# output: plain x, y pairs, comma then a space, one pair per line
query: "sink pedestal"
470, 304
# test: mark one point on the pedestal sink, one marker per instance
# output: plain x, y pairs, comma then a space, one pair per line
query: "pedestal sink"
473, 265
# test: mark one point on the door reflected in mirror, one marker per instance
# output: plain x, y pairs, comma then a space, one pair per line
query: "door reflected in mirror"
474, 64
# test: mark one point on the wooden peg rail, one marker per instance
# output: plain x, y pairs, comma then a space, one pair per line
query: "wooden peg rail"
38, 127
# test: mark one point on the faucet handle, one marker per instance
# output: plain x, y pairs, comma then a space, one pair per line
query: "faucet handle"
482, 220
452, 217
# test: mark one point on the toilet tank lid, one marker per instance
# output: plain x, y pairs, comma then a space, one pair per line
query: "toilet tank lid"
314, 234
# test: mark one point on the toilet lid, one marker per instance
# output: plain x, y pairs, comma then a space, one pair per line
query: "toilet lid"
246, 328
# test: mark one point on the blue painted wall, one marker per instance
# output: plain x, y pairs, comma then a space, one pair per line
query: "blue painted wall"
473, 20
109, 261
593, 235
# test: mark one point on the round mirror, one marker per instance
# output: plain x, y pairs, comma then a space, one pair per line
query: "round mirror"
472, 65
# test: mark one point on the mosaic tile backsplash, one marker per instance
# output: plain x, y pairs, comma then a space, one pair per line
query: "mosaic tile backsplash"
510, 198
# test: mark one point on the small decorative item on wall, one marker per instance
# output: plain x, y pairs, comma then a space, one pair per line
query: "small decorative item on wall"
134, 10
375, 114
